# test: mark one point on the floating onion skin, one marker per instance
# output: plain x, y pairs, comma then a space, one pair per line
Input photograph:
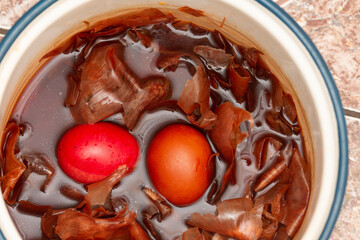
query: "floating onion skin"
245, 170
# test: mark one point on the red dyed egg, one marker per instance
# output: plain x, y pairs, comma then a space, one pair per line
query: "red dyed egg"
179, 164
90, 152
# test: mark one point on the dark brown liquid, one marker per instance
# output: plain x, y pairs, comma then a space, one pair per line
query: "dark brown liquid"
42, 106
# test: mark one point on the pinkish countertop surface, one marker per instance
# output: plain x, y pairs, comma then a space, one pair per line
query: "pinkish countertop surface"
334, 27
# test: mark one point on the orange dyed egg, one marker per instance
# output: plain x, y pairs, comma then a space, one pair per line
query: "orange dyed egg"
179, 164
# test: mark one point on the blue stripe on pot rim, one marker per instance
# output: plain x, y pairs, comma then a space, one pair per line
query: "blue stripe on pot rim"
339, 112
21, 24
15, 31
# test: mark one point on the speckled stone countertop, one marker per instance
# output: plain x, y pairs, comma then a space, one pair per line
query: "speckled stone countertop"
334, 26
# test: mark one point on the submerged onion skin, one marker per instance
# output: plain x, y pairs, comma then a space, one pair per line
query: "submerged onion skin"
179, 164
90, 152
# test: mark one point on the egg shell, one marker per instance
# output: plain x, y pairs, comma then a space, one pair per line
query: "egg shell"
90, 152
179, 164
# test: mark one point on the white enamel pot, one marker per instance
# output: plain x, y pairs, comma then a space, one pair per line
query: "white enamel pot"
263, 23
